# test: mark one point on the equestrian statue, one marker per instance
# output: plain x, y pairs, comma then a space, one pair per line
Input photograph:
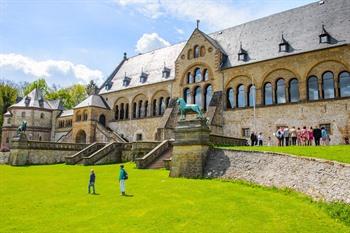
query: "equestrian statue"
183, 107
22, 127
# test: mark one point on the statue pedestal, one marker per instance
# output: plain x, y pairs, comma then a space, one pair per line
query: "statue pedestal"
19, 150
190, 148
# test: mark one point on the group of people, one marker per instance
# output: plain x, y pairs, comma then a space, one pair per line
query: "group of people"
302, 136
123, 175
294, 137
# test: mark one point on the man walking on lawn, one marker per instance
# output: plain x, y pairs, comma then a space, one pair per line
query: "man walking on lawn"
122, 177
92, 181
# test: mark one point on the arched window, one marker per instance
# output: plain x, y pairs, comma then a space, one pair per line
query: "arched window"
328, 85
344, 84
268, 94
197, 96
154, 108
206, 75
196, 51
116, 115
280, 91
240, 96
189, 54
127, 111
187, 96
197, 75
189, 78
167, 102
139, 111
207, 96
146, 109
251, 96
293, 90
78, 117
161, 106
134, 110
85, 116
230, 98
202, 52
312, 88
102, 119
121, 111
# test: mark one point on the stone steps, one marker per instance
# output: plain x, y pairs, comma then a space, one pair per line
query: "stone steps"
158, 163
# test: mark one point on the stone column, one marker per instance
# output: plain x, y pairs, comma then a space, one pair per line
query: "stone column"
19, 150
190, 148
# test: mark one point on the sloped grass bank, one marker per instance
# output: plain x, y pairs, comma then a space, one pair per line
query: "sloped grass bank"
54, 199
340, 153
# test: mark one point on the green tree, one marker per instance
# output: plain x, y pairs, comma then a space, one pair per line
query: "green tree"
69, 96
40, 83
91, 88
8, 95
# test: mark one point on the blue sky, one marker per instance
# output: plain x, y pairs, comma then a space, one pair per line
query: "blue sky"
75, 41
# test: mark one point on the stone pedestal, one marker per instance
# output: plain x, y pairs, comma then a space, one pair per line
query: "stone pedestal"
19, 150
190, 148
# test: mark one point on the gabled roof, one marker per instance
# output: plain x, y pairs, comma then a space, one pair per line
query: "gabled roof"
93, 101
151, 63
260, 38
35, 99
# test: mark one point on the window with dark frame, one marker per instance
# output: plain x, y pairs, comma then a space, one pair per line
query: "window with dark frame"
246, 132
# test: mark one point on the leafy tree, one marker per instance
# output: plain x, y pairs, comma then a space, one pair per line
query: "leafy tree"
40, 83
8, 95
91, 88
69, 96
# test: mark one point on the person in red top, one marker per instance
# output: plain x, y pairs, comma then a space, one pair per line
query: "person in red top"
311, 136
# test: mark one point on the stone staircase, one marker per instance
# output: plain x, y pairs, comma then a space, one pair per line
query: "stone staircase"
159, 162
154, 158
110, 134
110, 153
78, 157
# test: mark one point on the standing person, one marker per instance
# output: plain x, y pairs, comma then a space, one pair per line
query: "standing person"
279, 136
122, 177
293, 135
260, 139
286, 136
92, 181
252, 139
299, 136
304, 136
311, 136
324, 136
317, 135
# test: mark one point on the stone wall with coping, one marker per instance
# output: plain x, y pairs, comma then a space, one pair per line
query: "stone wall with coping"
321, 179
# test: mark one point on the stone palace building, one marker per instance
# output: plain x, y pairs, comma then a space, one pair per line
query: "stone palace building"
287, 69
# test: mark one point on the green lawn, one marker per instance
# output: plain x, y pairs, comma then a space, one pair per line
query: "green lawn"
337, 153
54, 199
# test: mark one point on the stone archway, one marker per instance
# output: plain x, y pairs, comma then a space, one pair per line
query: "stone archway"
102, 119
80, 137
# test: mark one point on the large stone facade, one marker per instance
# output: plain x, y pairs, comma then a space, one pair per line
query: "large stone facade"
241, 77
318, 178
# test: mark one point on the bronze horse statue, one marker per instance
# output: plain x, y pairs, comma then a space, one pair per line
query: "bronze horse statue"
22, 127
183, 107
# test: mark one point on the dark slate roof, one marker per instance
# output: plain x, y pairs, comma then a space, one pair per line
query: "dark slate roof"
301, 27
33, 100
93, 101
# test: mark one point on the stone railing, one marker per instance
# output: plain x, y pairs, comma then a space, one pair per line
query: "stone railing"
110, 133
84, 153
103, 152
40, 145
146, 160
67, 135
225, 140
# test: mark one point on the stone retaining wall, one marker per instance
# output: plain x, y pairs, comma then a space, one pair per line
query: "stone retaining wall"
318, 178
4, 157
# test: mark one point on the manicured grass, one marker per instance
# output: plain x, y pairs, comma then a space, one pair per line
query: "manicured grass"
337, 153
54, 199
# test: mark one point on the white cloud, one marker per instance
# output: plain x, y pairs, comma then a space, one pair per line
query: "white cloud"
149, 42
180, 31
216, 14
45, 68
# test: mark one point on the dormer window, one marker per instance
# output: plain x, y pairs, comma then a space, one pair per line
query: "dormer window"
108, 86
325, 38
242, 55
41, 102
143, 77
27, 101
166, 72
126, 81
284, 45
